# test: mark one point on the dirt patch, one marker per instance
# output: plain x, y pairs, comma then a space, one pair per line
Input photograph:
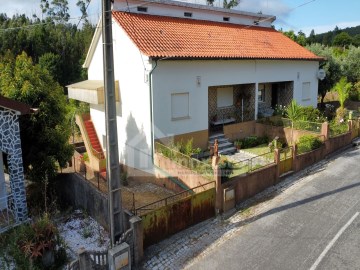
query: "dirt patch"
137, 193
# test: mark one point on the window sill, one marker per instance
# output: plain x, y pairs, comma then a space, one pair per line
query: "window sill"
180, 118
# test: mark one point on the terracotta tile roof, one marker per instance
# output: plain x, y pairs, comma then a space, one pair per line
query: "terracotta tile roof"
160, 36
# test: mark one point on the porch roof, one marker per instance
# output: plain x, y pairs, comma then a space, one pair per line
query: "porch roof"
162, 36
90, 91
16, 106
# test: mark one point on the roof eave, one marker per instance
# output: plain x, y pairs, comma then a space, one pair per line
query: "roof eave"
93, 44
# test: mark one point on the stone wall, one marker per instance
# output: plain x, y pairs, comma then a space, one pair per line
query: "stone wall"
10, 143
241, 91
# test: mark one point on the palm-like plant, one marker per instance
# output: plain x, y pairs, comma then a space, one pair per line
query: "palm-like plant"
343, 88
294, 113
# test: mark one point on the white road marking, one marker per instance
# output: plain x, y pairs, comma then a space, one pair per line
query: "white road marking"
332, 242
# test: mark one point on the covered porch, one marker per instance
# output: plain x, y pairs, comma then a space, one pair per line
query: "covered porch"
231, 104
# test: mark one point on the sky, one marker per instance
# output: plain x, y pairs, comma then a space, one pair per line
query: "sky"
304, 15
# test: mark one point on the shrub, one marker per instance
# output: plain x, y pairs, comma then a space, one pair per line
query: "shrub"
308, 143
355, 92
252, 141
338, 128
226, 167
30, 243
312, 114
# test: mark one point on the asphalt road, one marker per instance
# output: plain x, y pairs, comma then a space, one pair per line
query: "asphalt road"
315, 225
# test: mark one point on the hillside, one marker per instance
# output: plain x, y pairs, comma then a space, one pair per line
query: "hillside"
327, 38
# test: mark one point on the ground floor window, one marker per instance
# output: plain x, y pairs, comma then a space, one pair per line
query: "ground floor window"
180, 106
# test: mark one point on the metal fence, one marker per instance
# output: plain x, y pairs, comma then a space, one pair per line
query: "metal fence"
193, 164
338, 129
7, 216
252, 164
310, 144
173, 198
285, 122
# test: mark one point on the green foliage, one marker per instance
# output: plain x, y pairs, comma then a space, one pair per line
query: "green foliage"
342, 39
28, 243
226, 167
252, 141
332, 68
308, 143
343, 88
338, 127
293, 111
354, 94
44, 134
311, 114
124, 178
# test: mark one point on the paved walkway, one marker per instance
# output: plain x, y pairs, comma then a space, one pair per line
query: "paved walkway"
182, 249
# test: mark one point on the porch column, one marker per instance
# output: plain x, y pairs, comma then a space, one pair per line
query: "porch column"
3, 193
256, 100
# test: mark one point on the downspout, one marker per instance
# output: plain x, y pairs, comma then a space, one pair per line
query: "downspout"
152, 112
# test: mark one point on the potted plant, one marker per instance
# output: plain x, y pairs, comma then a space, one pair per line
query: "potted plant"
238, 144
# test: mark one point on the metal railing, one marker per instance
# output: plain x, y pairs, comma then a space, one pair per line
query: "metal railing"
252, 164
193, 164
338, 129
7, 216
285, 122
173, 198
308, 148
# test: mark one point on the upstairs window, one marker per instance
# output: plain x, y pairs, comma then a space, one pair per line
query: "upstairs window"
142, 9
188, 14
226, 19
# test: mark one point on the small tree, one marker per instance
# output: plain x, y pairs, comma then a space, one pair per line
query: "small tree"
343, 88
294, 113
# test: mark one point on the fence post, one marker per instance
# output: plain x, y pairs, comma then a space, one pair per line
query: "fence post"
84, 263
294, 153
138, 235
325, 130
218, 188
277, 161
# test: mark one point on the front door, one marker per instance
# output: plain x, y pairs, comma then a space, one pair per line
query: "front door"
274, 94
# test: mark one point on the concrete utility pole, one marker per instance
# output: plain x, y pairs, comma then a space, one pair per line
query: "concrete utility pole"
112, 151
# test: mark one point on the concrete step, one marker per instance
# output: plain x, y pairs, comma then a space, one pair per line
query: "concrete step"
221, 140
225, 145
227, 151
216, 136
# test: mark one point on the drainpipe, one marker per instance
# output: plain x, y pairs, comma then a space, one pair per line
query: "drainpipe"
152, 112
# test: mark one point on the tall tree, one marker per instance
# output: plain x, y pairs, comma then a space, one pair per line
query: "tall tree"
343, 39
331, 67
44, 134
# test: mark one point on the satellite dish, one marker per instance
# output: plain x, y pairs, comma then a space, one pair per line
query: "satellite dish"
321, 74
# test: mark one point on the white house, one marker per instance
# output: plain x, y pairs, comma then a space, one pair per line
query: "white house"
181, 67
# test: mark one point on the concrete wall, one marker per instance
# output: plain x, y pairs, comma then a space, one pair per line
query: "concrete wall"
246, 186
190, 178
79, 193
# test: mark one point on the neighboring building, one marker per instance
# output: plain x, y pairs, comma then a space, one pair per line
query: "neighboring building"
181, 67
13, 208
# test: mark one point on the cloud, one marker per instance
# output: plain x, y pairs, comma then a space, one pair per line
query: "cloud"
270, 7
27, 7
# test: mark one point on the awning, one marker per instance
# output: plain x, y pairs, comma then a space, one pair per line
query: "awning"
90, 91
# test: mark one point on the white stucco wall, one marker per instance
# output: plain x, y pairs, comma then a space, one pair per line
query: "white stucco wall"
199, 12
133, 110
181, 76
